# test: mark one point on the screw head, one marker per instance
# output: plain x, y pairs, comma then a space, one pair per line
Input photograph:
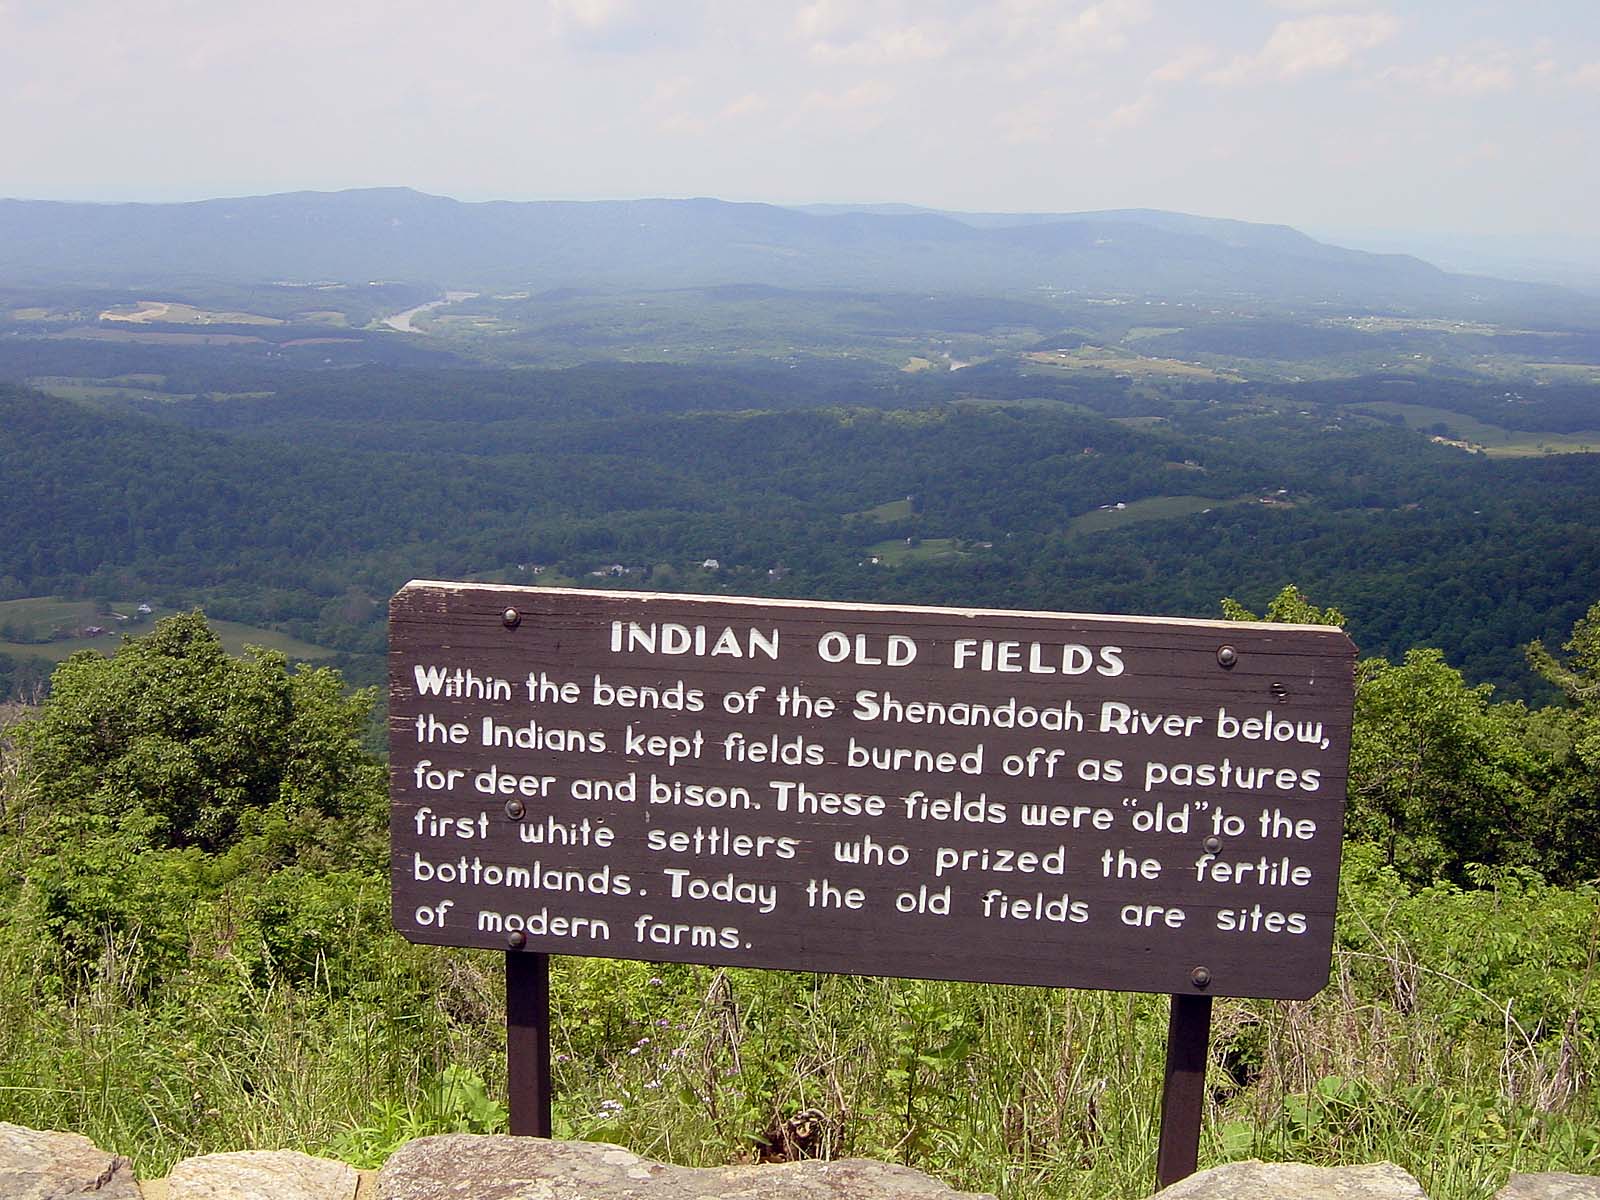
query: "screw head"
516, 939
511, 618
1213, 844
1227, 656
1200, 977
515, 809
1279, 692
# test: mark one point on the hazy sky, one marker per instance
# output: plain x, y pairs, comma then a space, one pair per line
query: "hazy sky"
1454, 116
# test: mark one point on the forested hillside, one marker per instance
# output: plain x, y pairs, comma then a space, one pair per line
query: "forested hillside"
305, 506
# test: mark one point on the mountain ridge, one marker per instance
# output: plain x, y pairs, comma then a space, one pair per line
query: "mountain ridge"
401, 233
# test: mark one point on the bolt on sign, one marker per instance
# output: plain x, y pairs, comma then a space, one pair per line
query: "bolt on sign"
1124, 803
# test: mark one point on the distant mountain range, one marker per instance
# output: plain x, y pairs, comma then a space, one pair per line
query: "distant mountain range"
397, 233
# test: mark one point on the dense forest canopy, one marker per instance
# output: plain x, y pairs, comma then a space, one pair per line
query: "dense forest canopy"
305, 505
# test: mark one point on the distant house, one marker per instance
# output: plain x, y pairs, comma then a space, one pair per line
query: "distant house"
144, 610
711, 564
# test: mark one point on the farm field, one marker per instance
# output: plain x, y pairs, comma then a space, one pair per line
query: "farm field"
1098, 358
1152, 508
38, 617
895, 552
123, 388
1493, 440
172, 312
890, 510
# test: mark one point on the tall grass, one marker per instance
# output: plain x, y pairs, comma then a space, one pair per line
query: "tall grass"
1457, 1037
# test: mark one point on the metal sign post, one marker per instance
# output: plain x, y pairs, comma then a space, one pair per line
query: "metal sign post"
1183, 1088
528, 1043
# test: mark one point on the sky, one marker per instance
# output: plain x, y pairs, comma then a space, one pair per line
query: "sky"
1449, 116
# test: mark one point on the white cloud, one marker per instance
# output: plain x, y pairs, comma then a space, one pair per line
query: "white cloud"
1188, 63
1586, 76
837, 32
1457, 75
616, 25
871, 94
1102, 26
1132, 114
1319, 5
906, 43
1310, 45
750, 104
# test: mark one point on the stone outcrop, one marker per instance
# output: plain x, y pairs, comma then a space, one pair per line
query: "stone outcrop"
67, 1166
53, 1166
1550, 1185
1253, 1180
280, 1174
455, 1166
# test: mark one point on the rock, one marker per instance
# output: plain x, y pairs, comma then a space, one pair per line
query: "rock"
53, 1166
1252, 1180
499, 1167
1550, 1185
261, 1175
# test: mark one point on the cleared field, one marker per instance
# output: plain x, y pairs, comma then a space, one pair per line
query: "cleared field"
69, 388
1098, 358
895, 551
171, 312
1483, 438
890, 510
1152, 508
127, 387
158, 337
40, 616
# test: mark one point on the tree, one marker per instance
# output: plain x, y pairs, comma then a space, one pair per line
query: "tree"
1571, 736
1439, 778
178, 744
1289, 606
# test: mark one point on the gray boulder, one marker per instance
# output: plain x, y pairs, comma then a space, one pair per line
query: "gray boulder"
1253, 1180
261, 1175
498, 1167
37, 1165
1550, 1185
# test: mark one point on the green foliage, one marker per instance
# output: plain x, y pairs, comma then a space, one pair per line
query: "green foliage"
1569, 739
1438, 777
173, 744
1289, 606
458, 1102
198, 957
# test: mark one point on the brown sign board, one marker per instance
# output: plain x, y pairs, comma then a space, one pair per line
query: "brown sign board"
1125, 803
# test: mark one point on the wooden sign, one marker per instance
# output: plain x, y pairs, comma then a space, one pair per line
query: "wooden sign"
1012, 797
